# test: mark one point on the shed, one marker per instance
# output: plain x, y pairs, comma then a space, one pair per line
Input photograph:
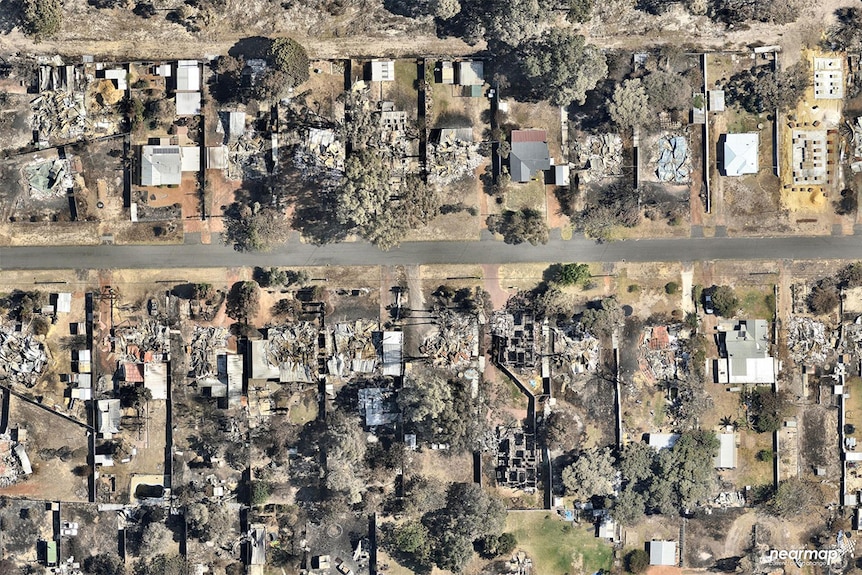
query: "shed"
118, 75
741, 154
22, 457
133, 372
260, 367
257, 544
662, 552
64, 303
190, 159
726, 457
391, 352
217, 157
446, 73
82, 361
108, 416
382, 70
607, 529
51, 553
662, 440
716, 100
188, 76
471, 73
230, 370
188, 103
156, 379
529, 154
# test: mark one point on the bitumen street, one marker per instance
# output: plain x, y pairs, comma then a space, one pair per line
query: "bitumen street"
488, 251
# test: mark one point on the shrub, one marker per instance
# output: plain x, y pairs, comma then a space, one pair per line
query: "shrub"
671, 288
260, 492
724, 301
289, 58
633, 288
823, 299
42, 18
637, 561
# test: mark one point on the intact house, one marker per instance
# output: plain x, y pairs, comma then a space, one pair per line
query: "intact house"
743, 349
529, 154
188, 88
741, 154
382, 71
163, 164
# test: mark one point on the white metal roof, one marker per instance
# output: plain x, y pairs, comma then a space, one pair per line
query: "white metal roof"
161, 166
726, 457
662, 552
156, 379
188, 103
188, 76
740, 154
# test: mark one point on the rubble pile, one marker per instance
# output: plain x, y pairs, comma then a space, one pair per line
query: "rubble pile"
576, 348
601, 155
292, 345
247, 157
320, 153
455, 342
658, 357
9, 465
206, 341
672, 159
22, 358
48, 178
147, 341
856, 145
807, 340
351, 348
451, 159
853, 335
59, 115
502, 324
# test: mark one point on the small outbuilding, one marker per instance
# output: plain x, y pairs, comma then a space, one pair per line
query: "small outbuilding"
662, 552
726, 457
382, 70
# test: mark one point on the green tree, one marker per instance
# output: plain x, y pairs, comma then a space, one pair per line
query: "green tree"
763, 90
592, 473
580, 10
667, 91
260, 492
793, 497
636, 462
104, 564
629, 507
426, 396
345, 447
154, 539
603, 319
724, 301
637, 561
497, 545
525, 225
445, 9
272, 277
670, 288
289, 57
630, 105
564, 66
135, 395
770, 408
243, 301
203, 291
412, 538
254, 228
512, 22
824, 298
573, 274
42, 19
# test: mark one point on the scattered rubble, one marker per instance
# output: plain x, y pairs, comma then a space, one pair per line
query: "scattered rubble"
856, 145
658, 358
147, 341
600, 155
206, 341
350, 347
807, 340
453, 157
455, 342
575, 348
516, 459
22, 357
320, 152
59, 115
672, 159
293, 348
48, 178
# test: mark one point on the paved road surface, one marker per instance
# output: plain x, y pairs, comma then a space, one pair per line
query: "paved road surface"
475, 252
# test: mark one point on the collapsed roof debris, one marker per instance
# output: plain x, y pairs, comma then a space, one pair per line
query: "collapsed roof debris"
59, 115
806, 340
673, 159
352, 348
856, 143
575, 348
206, 341
320, 153
48, 178
22, 358
658, 358
293, 350
601, 155
455, 342
453, 156
147, 341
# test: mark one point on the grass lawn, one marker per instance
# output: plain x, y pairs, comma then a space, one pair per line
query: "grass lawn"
527, 195
756, 303
557, 547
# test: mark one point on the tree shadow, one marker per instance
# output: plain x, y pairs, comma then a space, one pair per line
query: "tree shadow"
251, 47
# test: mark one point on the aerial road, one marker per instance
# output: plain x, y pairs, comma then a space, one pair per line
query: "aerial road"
443, 252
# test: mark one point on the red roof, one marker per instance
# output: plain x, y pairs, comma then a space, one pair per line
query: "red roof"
529, 136
660, 338
134, 372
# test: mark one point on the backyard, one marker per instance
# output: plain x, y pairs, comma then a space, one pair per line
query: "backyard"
556, 547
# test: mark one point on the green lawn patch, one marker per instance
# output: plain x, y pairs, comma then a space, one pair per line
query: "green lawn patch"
557, 547
755, 303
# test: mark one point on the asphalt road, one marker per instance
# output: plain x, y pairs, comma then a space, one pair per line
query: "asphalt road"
476, 252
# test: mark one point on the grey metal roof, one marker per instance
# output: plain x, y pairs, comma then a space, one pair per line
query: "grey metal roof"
527, 158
